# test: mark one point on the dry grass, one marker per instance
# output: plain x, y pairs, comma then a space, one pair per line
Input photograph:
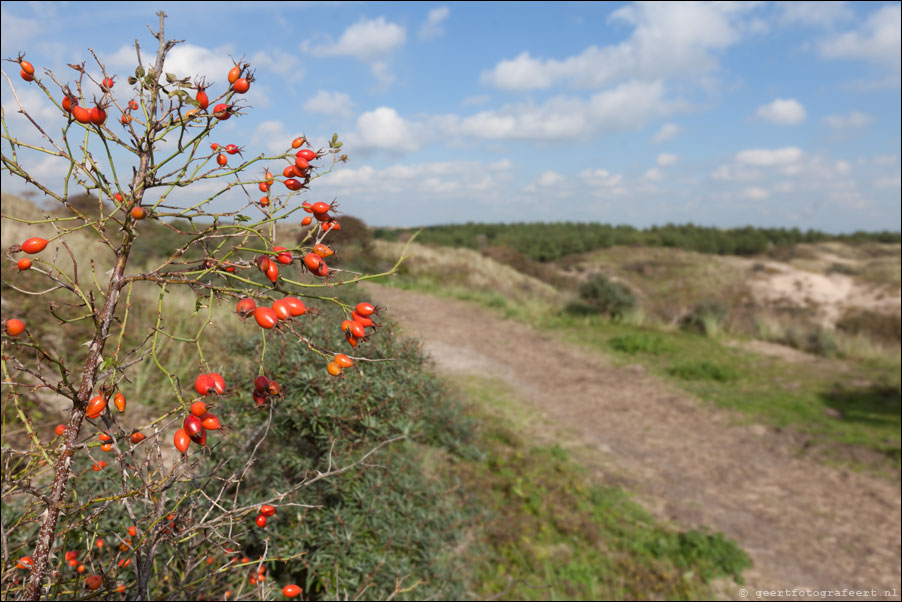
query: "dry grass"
146, 386
670, 282
467, 269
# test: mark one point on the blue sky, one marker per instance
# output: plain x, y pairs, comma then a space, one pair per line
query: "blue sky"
777, 114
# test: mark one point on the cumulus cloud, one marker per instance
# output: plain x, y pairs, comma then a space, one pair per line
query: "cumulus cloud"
18, 32
889, 181
628, 106
782, 111
365, 40
665, 159
549, 178
666, 132
432, 27
283, 63
384, 128
185, 60
337, 104
820, 14
439, 178
271, 134
769, 157
368, 41
654, 174
668, 40
811, 172
755, 193
603, 182
853, 120
878, 39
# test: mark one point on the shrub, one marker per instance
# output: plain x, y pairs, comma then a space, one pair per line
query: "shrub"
152, 284
705, 318
640, 343
703, 370
882, 327
606, 296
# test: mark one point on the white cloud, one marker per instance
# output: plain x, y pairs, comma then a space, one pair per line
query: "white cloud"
383, 128
603, 181
879, 39
337, 104
654, 174
18, 33
754, 193
885, 160
283, 63
853, 120
365, 40
628, 106
446, 178
782, 111
842, 168
665, 159
668, 131
669, 40
549, 178
382, 73
432, 27
273, 134
369, 41
770, 157
894, 181
736, 173
820, 14
33, 100
187, 60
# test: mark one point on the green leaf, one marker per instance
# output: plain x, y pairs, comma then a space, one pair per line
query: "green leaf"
242, 218
139, 72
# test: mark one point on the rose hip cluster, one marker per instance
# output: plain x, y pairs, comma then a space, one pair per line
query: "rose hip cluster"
265, 388
200, 420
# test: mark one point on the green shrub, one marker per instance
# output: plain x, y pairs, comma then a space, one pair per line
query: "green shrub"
712, 555
811, 339
639, 342
879, 326
705, 318
606, 296
703, 370
385, 519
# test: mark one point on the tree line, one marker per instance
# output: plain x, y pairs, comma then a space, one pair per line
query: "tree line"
551, 241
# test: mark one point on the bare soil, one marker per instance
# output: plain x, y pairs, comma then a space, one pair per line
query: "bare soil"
828, 296
805, 524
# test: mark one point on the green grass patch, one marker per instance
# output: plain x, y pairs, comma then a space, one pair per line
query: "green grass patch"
550, 533
827, 400
703, 370
640, 342
848, 410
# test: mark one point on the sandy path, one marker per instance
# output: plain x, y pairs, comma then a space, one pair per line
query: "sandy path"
804, 524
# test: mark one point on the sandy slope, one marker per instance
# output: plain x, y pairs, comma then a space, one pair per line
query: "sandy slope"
804, 524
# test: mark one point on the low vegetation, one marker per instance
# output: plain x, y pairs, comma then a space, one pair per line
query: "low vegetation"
694, 323
552, 241
552, 532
